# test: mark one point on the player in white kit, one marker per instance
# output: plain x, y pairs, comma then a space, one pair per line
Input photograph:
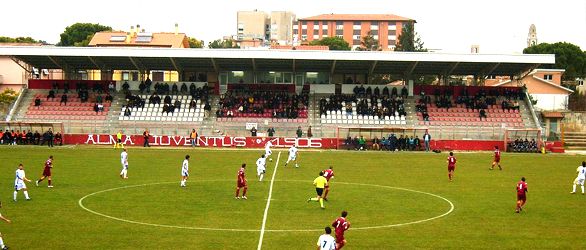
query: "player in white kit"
19, 182
261, 167
292, 156
268, 151
124, 161
326, 241
185, 171
581, 176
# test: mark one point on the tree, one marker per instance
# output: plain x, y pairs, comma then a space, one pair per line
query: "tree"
20, 39
334, 43
80, 34
409, 40
194, 43
567, 56
223, 44
368, 43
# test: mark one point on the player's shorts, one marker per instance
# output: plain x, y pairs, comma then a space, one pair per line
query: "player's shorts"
268, 152
241, 184
260, 170
521, 197
184, 174
319, 191
119, 140
20, 185
47, 172
292, 157
497, 160
579, 181
124, 166
451, 168
339, 238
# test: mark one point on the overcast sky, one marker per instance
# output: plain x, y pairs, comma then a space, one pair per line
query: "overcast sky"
498, 26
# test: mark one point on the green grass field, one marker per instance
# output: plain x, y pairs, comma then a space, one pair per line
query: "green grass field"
169, 217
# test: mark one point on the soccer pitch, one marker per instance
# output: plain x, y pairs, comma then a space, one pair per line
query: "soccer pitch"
394, 200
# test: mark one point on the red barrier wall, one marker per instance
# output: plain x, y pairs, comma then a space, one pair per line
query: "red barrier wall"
259, 142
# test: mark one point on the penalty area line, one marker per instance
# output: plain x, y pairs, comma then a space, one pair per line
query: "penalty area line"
264, 218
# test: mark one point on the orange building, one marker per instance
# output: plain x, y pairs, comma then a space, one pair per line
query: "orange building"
385, 28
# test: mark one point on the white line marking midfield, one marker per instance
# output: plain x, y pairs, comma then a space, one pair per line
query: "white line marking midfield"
264, 218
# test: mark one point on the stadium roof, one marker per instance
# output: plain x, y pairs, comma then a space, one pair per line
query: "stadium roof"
346, 62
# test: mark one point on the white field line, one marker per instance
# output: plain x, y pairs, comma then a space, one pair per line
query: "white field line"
264, 218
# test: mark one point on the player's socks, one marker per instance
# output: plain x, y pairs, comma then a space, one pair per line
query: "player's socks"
237, 192
2, 243
574, 189
14, 195
26, 195
582, 189
321, 202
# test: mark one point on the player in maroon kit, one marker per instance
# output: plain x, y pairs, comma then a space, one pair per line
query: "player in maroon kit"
328, 174
341, 225
521, 194
451, 165
47, 172
497, 158
241, 183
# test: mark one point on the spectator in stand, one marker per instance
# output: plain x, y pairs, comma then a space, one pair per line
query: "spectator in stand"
167, 99
96, 108
141, 87
175, 89
63, 99
171, 109
50, 138
411, 143
299, 132
125, 86
111, 87
348, 142
183, 88
29, 137
271, 132
100, 107
515, 105
309, 133
178, 105
109, 97
376, 143
253, 132
59, 138
127, 111
51, 95
37, 102
207, 109
482, 114
192, 104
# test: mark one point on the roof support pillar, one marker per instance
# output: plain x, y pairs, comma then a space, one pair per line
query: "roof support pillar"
333, 67
216, 68
411, 68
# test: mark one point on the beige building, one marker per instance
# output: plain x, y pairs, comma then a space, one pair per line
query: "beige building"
253, 25
14, 74
282, 27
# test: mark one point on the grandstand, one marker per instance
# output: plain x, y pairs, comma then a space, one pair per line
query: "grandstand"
480, 113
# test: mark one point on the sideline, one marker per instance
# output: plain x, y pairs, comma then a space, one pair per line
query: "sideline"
264, 218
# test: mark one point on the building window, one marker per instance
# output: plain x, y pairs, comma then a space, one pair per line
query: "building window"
303, 22
392, 42
392, 26
340, 36
356, 37
339, 23
315, 32
315, 23
324, 31
355, 42
339, 32
374, 32
357, 23
356, 32
303, 32
548, 77
295, 31
392, 32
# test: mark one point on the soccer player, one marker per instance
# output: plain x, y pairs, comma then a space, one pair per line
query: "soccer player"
320, 183
241, 183
521, 194
118, 142
185, 171
19, 182
497, 158
268, 151
328, 174
326, 241
340, 226
581, 176
124, 161
261, 167
451, 165
2, 246
292, 156
47, 172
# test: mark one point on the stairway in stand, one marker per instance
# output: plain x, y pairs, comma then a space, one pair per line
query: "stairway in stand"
575, 141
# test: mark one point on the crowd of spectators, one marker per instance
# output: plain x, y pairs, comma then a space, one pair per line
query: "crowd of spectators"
520, 145
169, 106
367, 102
389, 143
480, 101
83, 93
278, 104
25, 137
